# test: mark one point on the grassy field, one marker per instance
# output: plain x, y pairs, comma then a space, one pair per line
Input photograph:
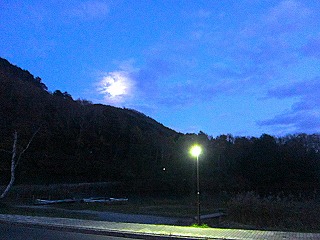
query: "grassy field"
246, 210
6, 208
184, 207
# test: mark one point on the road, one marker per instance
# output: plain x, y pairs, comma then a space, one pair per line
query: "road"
17, 232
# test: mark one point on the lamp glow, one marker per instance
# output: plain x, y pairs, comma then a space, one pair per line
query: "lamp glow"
196, 150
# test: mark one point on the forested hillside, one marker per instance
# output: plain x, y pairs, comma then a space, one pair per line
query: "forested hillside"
79, 141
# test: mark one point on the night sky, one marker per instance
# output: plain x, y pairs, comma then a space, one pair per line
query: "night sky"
243, 67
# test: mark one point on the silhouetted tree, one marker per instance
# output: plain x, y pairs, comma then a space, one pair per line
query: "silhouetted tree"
16, 155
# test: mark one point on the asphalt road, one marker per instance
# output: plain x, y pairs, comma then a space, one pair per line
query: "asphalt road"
17, 232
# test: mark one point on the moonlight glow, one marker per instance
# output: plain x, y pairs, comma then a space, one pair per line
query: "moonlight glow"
116, 86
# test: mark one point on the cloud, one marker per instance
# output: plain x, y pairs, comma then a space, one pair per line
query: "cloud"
259, 49
307, 104
116, 87
196, 91
156, 84
307, 121
287, 16
146, 86
308, 88
270, 39
206, 60
30, 20
90, 10
251, 53
304, 115
152, 75
312, 47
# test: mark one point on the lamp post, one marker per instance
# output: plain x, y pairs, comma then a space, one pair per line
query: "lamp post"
196, 151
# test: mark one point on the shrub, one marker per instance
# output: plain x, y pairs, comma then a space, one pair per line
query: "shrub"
274, 212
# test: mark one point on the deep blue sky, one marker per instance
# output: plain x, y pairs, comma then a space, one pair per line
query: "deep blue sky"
243, 67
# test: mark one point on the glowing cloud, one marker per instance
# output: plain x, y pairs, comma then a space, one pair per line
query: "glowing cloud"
116, 87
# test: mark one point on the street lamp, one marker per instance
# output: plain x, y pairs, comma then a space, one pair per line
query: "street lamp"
196, 151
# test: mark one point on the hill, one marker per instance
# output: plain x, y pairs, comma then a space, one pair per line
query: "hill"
78, 140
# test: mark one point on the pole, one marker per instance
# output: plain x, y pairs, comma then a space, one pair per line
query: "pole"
198, 190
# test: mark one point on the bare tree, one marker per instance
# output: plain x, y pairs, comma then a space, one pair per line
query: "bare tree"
15, 159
